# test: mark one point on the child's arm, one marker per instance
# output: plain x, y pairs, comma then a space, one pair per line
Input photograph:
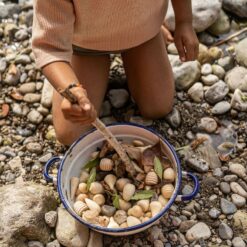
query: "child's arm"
185, 37
53, 26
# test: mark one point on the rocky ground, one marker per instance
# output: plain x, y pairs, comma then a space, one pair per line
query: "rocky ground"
208, 127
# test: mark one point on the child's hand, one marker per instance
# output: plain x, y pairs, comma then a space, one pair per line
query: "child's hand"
186, 42
83, 112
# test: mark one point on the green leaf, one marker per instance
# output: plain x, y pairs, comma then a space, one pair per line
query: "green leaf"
92, 163
158, 168
91, 178
116, 201
141, 195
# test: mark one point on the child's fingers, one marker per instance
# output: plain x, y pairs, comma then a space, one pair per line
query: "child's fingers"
181, 51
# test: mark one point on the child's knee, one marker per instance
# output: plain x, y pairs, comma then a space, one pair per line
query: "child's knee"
157, 111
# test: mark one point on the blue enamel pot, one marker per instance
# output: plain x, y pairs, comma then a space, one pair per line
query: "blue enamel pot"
78, 154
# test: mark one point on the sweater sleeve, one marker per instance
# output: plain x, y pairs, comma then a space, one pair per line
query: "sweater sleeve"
53, 26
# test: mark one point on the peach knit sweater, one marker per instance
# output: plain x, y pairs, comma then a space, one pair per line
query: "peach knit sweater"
106, 25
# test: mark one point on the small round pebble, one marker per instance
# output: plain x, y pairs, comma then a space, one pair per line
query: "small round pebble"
238, 242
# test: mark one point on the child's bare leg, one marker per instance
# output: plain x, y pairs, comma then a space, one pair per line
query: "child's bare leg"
150, 77
92, 72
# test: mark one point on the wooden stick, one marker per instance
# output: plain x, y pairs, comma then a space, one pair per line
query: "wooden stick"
100, 126
230, 37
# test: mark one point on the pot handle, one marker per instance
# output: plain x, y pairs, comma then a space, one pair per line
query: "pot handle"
195, 190
48, 165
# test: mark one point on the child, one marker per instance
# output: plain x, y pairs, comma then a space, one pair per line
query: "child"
91, 30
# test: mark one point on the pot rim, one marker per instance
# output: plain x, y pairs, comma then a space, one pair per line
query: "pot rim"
132, 228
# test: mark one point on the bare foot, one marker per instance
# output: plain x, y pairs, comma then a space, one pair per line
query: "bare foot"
167, 34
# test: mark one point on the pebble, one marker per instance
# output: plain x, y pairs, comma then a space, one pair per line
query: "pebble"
198, 164
118, 97
236, 78
217, 92
174, 118
241, 50
196, 92
218, 71
34, 147
187, 189
3, 65
225, 187
21, 35
218, 172
186, 225
238, 189
209, 80
34, 244
200, 230
206, 69
227, 207
45, 158
237, 169
227, 62
51, 218
238, 242
141, 121
238, 101
34, 117
214, 213
238, 200
158, 243
225, 231
208, 125
27, 88
221, 108
12, 78
47, 94
23, 59
32, 97
54, 243
230, 178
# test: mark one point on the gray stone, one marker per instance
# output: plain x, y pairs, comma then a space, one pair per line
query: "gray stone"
238, 200
241, 51
51, 218
208, 124
185, 74
239, 101
218, 172
187, 189
221, 108
238, 8
217, 92
219, 71
54, 243
105, 109
172, 49
15, 163
227, 207
225, 231
47, 93
34, 117
209, 80
21, 35
174, 118
206, 69
198, 231
3, 64
34, 244
198, 164
222, 24
237, 78
205, 13
32, 97
45, 158
34, 147
214, 213
238, 242
13, 76
23, 59
230, 178
227, 62
29, 87
25, 205
69, 232
225, 187
196, 92
8, 10
118, 97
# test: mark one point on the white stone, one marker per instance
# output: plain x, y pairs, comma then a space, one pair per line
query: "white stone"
196, 92
206, 69
237, 79
239, 101
47, 93
209, 80
238, 189
199, 230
